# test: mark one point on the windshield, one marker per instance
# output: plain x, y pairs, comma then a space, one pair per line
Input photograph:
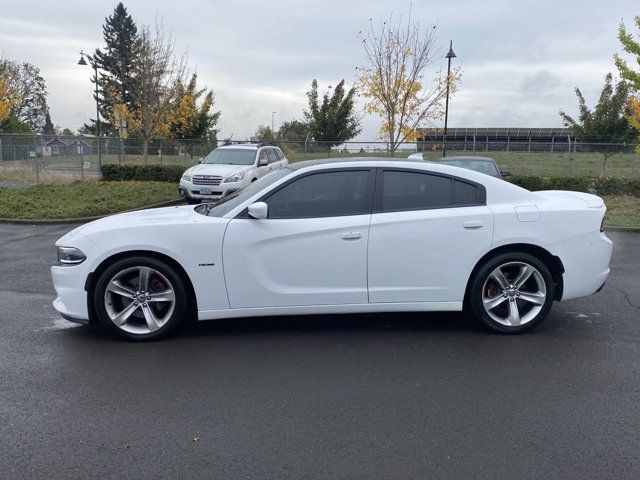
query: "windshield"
482, 166
224, 206
231, 156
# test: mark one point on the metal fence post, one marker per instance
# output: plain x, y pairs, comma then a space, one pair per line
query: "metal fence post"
81, 162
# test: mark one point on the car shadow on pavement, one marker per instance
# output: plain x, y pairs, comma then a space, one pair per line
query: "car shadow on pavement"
332, 324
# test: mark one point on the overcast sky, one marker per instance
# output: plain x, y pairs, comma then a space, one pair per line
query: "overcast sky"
520, 58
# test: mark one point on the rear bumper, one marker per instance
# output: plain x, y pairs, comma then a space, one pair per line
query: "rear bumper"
586, 263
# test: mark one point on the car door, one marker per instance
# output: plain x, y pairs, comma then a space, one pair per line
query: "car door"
273, 159
262, 156
427, 233
310, 250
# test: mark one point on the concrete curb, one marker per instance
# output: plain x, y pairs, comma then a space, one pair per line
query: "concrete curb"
622, 229
60, 221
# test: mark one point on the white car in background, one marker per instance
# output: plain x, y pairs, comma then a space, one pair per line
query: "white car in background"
227, 169
339, 237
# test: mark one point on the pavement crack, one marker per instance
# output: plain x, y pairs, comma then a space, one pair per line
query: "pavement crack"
626, 296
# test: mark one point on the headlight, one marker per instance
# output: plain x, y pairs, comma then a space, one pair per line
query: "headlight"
70, 256
186, 177
234, 178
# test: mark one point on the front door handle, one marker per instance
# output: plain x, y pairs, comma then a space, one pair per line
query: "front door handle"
473, 224
351, 236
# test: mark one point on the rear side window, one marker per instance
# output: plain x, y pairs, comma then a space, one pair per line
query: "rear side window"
414, 191
279, 153
465, 194
327, 194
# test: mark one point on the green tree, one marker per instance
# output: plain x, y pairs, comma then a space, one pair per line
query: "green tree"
631, 46
12, 124
116, 63
192, 116
332, 120
49, 128
292, 135
606, 124
263, 134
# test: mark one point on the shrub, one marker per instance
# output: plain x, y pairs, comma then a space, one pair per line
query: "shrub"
602, 185
149, 173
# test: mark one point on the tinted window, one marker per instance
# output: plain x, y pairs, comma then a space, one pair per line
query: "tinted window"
465, 193
414, 191
263, 155
329, 194
272, 156
279, 154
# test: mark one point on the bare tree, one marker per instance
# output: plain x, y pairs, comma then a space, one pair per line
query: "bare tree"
158, 72
392, 79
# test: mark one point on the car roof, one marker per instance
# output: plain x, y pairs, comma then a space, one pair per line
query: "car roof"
468, 158
359, 161
247, 146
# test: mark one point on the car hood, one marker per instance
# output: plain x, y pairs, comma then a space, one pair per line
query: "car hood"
217, 170
179, 215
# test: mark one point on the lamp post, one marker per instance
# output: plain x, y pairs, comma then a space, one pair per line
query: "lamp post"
451, 54
273, 124
82, 61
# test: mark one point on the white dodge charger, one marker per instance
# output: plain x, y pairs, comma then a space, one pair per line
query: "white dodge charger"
364, 235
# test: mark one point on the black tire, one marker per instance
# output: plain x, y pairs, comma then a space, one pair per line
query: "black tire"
160, 272
485, 286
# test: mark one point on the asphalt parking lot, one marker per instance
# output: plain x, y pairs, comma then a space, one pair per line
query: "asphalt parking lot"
378, 396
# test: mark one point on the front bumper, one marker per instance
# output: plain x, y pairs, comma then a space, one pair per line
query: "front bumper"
212, 193
71, 301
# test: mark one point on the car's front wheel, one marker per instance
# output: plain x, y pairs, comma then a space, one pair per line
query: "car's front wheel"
512, 292
140, 298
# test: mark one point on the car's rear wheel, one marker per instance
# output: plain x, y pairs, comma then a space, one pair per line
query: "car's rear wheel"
512, 292
140, 298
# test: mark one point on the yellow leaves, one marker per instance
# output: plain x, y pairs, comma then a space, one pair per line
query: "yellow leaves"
634, 115
9, 98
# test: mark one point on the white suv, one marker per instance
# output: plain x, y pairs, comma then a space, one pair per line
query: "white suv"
227, 169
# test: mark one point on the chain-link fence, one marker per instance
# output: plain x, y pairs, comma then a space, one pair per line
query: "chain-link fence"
34, 159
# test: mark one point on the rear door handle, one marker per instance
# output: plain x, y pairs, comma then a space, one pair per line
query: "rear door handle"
473, 224
351, 236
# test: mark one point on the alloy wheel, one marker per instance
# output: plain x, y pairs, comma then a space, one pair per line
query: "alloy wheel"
139, 300
514, 293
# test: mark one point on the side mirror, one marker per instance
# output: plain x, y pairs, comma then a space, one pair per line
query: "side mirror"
258, 210
263, 162
504, 173
200, 160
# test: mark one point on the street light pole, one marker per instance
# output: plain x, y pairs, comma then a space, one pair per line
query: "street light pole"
449, 56
273, 124
82, 61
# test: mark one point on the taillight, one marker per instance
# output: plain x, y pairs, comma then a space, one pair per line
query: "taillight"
602, 225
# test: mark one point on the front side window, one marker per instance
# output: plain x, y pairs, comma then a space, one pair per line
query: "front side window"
263, 156
326, 194
414, 191
230, 202
272, 156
